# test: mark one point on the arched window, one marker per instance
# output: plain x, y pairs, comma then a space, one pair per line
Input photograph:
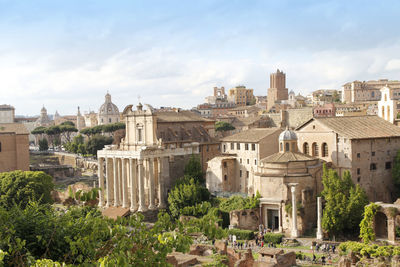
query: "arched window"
306, 148
281, 146
388, 113
383, 112
324, 150
385, 97
315, 150
287, 147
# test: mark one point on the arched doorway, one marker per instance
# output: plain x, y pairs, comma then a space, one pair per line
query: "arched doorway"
381, 225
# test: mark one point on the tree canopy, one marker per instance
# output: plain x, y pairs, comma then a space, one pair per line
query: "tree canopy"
223, 126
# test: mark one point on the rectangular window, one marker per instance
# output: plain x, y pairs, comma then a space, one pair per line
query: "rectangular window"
388, 165
372, 166
232, 146
225, 165
246, 147
247, 174
358, 155
248, 161
207, 148
255, 162
358, 170
140, 135
253, 147
238, 146
373, 153
240, 173
240, 160
224, 148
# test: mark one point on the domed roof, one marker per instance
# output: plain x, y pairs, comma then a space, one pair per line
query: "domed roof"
287, 135
108, 108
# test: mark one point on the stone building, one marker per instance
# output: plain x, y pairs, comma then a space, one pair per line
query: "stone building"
364, 145
108, 112
80, 120
358, 91
14, 147
241, 96
90, 119
152, 156
233, 171
387, 106
219, 96
326, 110
43, 119
277, 90
7, 114
288, 181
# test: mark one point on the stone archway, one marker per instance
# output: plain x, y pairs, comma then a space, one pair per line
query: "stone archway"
381, 225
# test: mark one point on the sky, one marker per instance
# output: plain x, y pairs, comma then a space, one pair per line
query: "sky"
69, 53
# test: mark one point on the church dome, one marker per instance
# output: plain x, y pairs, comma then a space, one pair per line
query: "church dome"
287, 135
108, 108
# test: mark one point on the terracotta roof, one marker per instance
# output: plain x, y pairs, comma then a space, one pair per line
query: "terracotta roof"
252, 135
286, 157
361, 127
173, 116
17, 128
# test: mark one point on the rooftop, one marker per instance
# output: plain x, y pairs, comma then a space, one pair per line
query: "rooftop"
359, 127
288, 156
252, 135
179, 116
17, 128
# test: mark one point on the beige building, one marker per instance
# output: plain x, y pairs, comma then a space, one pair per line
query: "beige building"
286, 179
364, 145
7, 114
241, 96
138, 173
108, 112
14, 147
368, 91
277, 90
387, 106
234, 170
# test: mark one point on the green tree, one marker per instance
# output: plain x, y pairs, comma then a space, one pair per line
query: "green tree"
223, 126
194, 170
43, 144
367, 232
396, 174
66, 130
186, 194
97, 142
344, 203
20, 187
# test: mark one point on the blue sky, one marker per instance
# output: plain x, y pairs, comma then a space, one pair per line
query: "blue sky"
64, 54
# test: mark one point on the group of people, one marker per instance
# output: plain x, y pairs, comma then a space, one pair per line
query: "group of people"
325, 247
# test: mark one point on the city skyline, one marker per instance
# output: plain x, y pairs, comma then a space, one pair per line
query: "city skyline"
68, 54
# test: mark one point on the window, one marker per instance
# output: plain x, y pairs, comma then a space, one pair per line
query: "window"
240, 160
109, 120
140, 135
247, 174
225, 165
315, 150
287, 147
373, 153
246, 147
248, 161
225, 177
358, 171
240, 173
372, 166
0, 146
224, 148
358, 179
238, 146
232, 146
306, 149
358, 155
388, 165
255, 162
207, 148
281, 145
324, 150
253, 147
373, 94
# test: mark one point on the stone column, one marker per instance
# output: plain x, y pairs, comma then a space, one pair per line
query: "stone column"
142, 206
124, 184
133, 180
120, 183
280, 218
116, 185
319, 218
161, 166
152, 196
101, 181
294, 211
108, 183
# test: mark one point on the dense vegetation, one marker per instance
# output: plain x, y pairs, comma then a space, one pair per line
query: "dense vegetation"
223, 126
396, 174
369, 250
344, 203
54, 134
89, 147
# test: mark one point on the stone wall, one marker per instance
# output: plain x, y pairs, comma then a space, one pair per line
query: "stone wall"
248, 219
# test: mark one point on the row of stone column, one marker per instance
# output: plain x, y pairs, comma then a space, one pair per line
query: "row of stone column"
125, 179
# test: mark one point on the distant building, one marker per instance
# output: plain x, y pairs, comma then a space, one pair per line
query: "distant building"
219, 96
43, 120
14, 147
364, 145
387, 106
7, 114
321, 96
352, 109
241, 96
277, 90
368, 91
108, 112
326, 110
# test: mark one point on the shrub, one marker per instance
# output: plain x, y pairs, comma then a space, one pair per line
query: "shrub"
273, 238
242, 234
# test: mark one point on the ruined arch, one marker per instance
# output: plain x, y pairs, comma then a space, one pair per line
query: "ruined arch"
381, 225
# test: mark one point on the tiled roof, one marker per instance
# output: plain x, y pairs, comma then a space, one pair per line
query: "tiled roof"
252, 135
361, 127
17, 128
173, 116
286, 157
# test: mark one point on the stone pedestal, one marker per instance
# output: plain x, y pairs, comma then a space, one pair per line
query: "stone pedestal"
319, 218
